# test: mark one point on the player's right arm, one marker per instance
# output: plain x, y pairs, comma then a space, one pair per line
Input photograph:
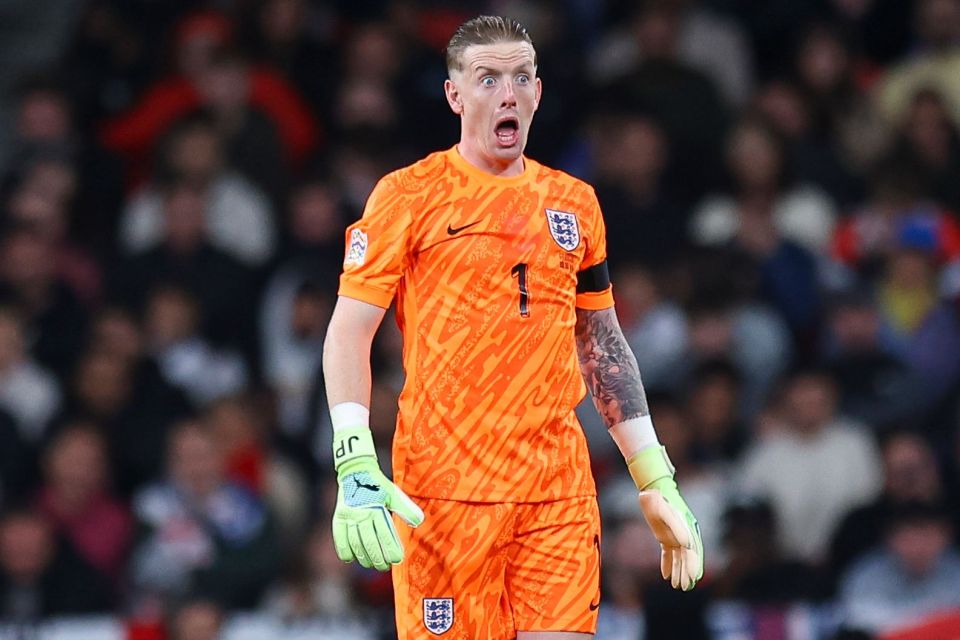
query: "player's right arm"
363, 529
346, 351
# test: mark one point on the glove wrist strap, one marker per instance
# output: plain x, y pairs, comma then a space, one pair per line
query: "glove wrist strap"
350, 443
650, 465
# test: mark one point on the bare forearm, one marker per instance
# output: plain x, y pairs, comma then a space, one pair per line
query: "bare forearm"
346, 352
609, 367
346, 370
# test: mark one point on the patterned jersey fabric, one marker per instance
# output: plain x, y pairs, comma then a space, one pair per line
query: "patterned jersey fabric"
484, 270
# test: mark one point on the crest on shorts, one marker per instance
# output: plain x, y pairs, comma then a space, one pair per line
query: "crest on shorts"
357, 251
564, 228
438, 614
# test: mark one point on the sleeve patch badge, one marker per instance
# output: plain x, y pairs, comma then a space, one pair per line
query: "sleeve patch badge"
357, 251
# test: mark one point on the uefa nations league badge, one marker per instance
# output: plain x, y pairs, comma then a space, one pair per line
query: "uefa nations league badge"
438, 614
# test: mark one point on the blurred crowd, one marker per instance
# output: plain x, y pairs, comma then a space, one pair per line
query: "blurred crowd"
780, 181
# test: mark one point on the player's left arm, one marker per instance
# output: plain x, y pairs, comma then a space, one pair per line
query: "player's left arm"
612, 375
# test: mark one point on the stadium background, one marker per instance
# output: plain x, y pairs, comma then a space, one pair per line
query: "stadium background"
780, 181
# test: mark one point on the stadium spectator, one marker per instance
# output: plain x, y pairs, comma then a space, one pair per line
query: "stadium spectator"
757, 571
706, 41
250, 140
928, 141
237, 216
44, 201
655, 327
312, 232
201, 534
197, 620
47, 307
896, 215
714, 410
296, 38
76, 499
911, 473
40, 578
186, 257
761, 191
915, 575
845, 132
727, 322
316, 583
813, 468
683, 99
197, 38
48, 125
187, 361
934, 63
631, 156
115, 330
237, 425
926, 329
809, 155
876, 385
111, 391
777, 234
293, 325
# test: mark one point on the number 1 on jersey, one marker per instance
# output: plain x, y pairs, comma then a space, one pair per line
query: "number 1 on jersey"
519, 272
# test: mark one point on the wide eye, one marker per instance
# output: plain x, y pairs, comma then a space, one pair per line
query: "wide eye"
488, 81
523, 79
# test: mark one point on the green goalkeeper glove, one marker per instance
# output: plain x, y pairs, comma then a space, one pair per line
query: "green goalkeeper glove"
669, 517
362, 527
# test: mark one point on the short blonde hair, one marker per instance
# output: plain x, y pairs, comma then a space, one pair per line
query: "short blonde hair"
484, 30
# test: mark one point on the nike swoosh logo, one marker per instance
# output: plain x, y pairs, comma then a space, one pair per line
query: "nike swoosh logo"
594, 607
452, 231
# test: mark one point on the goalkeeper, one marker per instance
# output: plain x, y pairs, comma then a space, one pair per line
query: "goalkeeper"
498, 268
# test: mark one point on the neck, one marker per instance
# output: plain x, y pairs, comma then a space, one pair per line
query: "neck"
501, 168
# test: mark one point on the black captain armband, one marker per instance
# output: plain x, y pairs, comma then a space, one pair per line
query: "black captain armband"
595, 279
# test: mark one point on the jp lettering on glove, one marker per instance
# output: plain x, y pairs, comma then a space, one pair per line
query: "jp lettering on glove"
363, 529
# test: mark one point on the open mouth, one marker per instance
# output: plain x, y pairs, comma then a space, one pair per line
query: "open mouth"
508, 131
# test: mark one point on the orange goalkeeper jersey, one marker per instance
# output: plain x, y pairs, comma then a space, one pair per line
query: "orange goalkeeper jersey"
487, 272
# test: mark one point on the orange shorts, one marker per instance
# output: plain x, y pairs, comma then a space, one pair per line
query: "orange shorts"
476, 571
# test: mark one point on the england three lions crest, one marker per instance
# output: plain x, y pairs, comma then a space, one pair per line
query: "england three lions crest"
564, 228
438, 614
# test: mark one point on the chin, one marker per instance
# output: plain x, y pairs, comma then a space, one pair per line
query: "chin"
508, 153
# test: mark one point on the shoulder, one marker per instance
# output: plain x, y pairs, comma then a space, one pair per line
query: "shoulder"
413, 177
544, 174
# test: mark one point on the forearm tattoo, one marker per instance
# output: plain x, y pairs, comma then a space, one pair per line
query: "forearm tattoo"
609, 367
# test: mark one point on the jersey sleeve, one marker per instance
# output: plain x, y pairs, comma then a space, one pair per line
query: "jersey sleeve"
377, 247
594, 291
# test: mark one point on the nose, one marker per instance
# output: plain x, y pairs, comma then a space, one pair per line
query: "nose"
509, 97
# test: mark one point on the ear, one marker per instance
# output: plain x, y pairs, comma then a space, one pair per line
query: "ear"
453, 96
539, 92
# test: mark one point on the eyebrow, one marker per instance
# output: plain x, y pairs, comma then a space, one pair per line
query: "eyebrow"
526, 67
